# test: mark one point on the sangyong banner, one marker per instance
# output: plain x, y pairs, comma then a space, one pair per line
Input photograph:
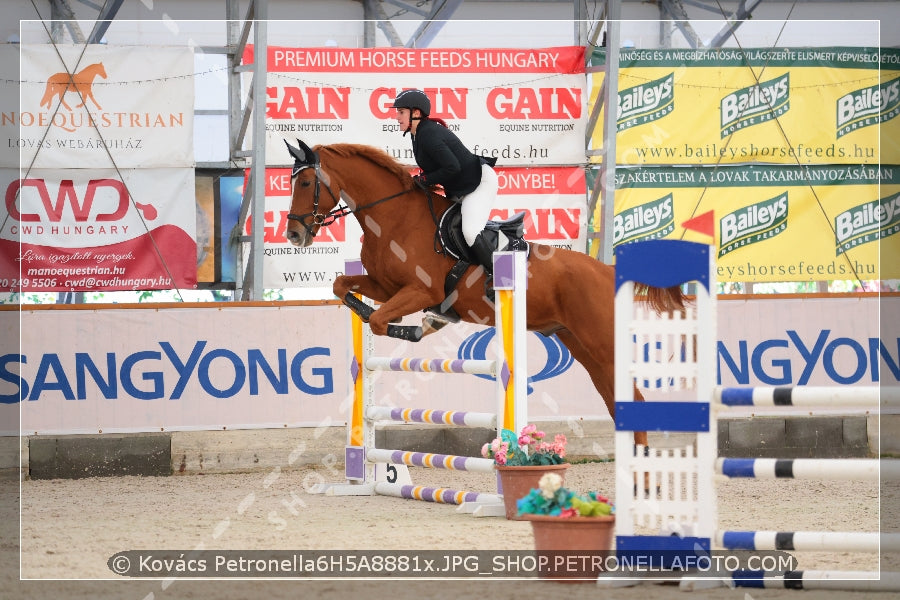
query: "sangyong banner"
552, 198
772, 223
524, 106
833, 105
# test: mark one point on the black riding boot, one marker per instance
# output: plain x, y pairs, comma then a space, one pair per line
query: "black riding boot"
483, 252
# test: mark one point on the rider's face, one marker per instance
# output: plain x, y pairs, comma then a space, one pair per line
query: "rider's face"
403, 118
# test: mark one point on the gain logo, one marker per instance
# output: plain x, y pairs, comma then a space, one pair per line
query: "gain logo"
752, 224
868, 106
866, 223
645, 103
650, 221
755, 104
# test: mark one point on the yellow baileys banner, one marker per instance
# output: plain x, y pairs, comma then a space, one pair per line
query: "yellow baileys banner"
835, 105
771, 222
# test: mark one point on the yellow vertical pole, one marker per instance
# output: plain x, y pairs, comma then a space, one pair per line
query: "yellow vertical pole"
356, 412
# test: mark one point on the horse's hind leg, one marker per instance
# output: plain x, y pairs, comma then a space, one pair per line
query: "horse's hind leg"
602, 375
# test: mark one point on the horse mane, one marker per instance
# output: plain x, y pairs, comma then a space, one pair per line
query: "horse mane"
375, 155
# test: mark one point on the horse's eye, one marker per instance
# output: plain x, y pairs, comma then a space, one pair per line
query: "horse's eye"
306, 183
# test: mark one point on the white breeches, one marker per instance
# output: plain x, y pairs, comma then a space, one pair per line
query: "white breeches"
476, 207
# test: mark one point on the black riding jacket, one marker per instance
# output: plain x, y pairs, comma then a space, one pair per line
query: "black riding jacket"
445, 160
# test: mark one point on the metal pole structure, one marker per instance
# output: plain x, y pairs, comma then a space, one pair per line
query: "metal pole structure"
260, 66
610, 102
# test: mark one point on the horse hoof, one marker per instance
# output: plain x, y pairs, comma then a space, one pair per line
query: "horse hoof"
647, 493
431, 324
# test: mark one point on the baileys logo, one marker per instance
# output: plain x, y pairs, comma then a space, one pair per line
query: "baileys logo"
751, 224
645, 103
650, 221
868, 106
868, 222
755, 104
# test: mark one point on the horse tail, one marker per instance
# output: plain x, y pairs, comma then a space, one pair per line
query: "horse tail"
661, 300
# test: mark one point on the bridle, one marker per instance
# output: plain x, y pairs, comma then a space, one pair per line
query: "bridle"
318, 218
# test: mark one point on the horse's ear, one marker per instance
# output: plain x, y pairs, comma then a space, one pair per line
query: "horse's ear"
303, 155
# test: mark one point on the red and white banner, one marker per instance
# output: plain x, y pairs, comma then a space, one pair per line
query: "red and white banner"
128, 106
98, 229
524, 106
552, 198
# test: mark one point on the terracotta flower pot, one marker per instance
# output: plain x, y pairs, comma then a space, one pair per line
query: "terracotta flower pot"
516, 482
572, 549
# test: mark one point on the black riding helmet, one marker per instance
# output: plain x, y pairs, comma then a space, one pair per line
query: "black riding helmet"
413, 99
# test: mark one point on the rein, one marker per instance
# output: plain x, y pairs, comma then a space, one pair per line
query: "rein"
325, 219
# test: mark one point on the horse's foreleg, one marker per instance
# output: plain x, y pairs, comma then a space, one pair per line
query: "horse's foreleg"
345, 286
405, 302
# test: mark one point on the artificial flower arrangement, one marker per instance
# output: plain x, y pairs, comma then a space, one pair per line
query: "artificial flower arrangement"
528, 448
552, 499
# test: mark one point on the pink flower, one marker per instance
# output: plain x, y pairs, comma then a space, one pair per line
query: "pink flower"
486, 450
525, 440
529, 429
500, 458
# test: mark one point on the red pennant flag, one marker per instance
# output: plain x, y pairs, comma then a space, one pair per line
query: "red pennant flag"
702, 223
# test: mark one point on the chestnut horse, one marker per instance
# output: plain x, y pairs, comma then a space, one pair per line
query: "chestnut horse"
569, 293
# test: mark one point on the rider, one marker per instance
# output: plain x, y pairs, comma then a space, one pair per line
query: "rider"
444, 160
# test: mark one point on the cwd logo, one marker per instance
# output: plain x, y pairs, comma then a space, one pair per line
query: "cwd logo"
755, 104
868, 222
101, 207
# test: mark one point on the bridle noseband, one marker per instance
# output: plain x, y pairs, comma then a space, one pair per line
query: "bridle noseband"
324, 219
318, 219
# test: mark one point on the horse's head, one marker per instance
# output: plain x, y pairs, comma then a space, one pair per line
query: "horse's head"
310, 209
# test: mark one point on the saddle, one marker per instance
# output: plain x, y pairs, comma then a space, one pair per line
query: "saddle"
449, 239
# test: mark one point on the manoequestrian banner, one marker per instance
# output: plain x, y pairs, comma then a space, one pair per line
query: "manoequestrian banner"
101, 194
830, 105
86, 106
